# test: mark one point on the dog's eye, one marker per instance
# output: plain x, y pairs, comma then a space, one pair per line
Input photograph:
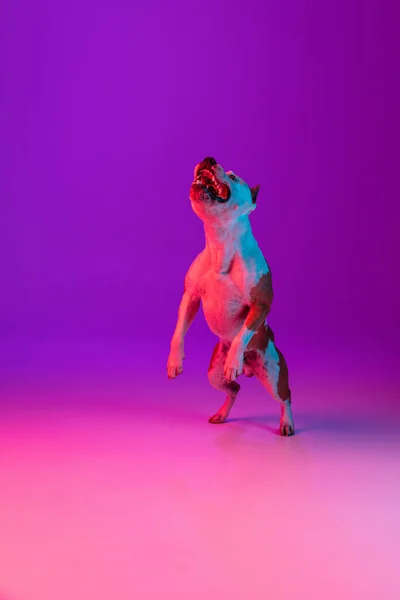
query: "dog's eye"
232, 176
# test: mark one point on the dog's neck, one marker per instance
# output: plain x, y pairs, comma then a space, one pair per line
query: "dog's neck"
224, 242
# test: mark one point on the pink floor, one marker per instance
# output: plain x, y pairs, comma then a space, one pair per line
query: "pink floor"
114, 488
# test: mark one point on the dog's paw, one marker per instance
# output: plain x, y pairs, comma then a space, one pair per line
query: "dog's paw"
219, 417
286, 428
233, 365
175, 365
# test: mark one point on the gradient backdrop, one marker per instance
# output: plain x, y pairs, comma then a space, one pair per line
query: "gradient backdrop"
111, 477
105, 107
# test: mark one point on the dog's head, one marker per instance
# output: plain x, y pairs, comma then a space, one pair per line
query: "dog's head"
218, 195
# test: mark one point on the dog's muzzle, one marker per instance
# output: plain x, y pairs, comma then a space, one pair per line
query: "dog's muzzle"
207, 180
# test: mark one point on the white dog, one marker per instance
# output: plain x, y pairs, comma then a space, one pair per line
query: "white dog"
233, 281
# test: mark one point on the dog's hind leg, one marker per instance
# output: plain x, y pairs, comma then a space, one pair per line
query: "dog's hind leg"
217, 379
271, 369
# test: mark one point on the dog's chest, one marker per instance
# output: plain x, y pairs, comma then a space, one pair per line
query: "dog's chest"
224, 300
221, 290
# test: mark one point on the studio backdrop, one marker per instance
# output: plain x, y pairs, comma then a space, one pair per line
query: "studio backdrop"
106, 107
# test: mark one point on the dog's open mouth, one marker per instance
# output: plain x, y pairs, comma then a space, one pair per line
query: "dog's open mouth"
216, 190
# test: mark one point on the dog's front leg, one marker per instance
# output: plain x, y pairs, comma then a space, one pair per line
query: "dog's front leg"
187, 311
234, 360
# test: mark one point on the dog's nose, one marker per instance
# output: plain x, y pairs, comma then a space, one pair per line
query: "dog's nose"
208, 163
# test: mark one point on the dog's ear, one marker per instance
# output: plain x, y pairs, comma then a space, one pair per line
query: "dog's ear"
254, 192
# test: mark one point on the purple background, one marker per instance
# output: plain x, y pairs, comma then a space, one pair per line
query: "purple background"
106, 107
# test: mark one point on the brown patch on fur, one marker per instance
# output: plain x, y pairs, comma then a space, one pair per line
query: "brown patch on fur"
258, 362
261, 297
260, 340
283, 380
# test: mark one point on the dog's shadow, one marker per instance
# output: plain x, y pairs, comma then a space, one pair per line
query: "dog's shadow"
330, 424
260, 421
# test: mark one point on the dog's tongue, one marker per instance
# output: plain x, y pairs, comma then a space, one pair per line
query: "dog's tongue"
223, 191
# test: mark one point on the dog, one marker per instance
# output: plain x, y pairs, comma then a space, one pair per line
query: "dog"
232, 281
